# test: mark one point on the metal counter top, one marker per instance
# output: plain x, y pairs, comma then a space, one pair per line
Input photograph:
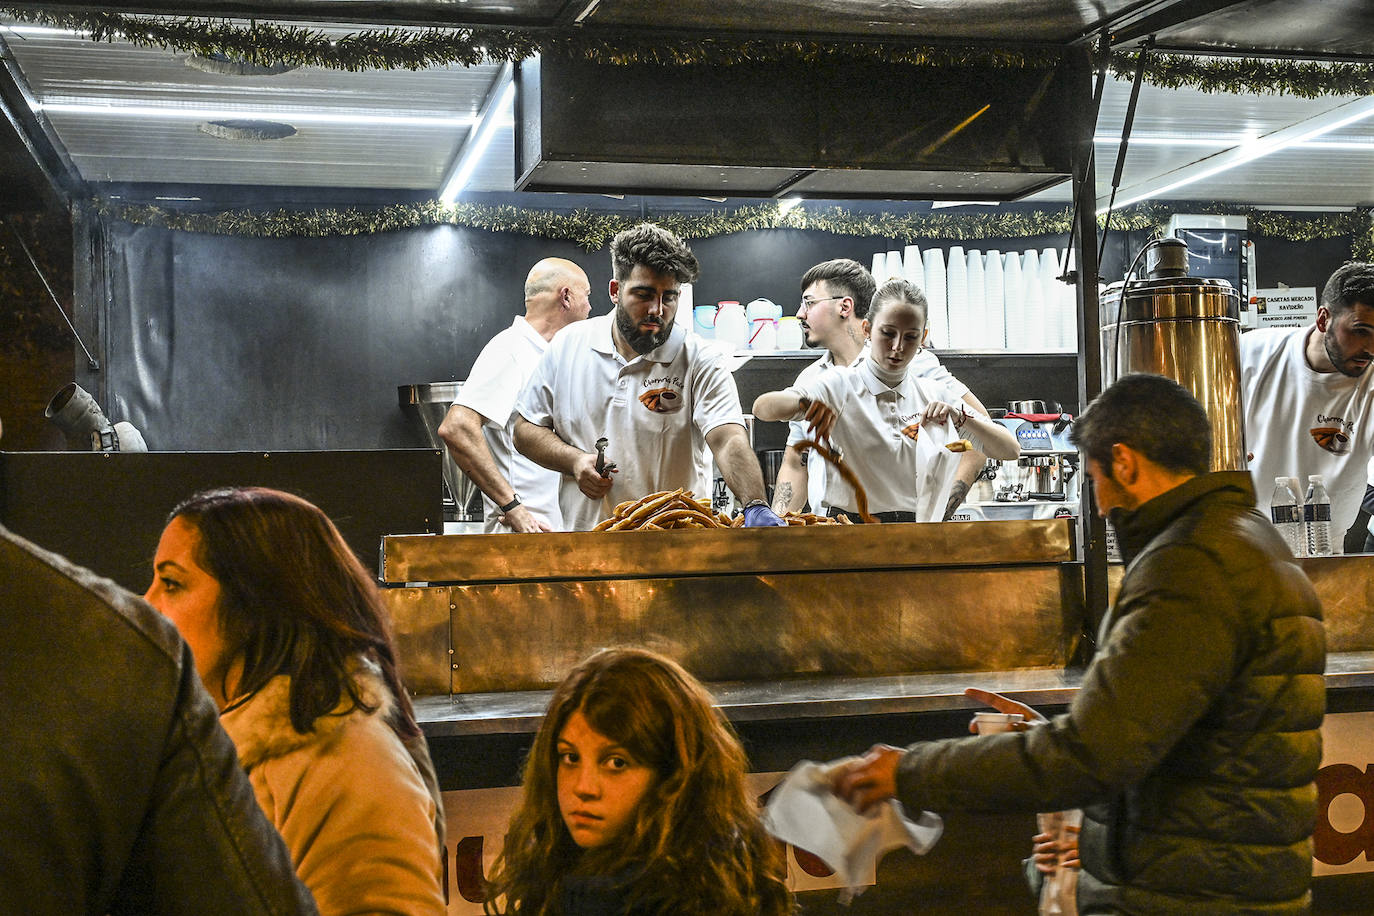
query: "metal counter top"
518, 712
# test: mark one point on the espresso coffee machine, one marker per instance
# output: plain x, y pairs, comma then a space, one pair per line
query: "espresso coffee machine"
1043, 482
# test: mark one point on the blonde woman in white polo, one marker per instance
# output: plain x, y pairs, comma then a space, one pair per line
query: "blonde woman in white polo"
890, 426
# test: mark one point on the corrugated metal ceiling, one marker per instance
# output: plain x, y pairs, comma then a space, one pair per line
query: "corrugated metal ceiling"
1337, 170
420, 118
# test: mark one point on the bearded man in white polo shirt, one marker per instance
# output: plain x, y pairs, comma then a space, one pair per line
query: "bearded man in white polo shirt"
836, 295
635, 378
1308, 398
517, 494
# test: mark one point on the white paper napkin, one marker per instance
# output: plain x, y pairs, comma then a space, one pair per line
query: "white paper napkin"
804, 812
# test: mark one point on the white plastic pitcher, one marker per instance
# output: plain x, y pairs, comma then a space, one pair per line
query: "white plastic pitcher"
763, 334
731, 325
790, 335
704, 321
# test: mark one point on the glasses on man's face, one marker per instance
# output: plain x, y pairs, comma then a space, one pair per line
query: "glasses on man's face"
807, 303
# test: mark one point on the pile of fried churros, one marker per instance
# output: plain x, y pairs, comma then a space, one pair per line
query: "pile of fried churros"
680, 508
665, 509
807, 518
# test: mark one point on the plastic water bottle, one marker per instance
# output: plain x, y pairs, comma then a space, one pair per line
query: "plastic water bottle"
1286, 510
1318, 517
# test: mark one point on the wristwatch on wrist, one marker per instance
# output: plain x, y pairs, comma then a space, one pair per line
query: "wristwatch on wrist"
515, 501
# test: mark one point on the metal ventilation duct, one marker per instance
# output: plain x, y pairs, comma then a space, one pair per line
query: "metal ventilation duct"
836, 129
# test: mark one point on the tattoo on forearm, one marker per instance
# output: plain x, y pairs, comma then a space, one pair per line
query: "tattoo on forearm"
782, 497
956, 498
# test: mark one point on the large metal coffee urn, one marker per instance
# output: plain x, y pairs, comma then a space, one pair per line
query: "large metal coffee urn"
1185, 328
426, 406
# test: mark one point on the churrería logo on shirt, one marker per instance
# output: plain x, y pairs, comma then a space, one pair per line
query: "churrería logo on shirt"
662, 395
1333, 434
911, 431
1331, 439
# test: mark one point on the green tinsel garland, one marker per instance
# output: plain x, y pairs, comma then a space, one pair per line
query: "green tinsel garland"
1302, 78
592, 230
413, 49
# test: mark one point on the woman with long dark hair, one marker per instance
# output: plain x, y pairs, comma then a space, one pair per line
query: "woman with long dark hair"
290, 638
635, 804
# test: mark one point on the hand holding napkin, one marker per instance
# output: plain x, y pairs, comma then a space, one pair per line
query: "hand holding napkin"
803, 811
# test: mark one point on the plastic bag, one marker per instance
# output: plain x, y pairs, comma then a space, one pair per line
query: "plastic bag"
1059, 892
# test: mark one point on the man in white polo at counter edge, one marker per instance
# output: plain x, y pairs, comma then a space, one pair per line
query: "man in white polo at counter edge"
636, 379
1309, 400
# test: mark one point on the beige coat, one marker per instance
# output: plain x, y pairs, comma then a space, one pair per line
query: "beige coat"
358, 812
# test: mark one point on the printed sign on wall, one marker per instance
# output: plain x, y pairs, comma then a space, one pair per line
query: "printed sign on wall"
1284, 308
1343, 841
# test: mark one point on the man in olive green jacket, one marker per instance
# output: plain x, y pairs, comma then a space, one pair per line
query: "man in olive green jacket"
1193, 742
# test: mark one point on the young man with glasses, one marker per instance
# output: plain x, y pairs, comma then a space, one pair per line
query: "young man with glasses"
835, 299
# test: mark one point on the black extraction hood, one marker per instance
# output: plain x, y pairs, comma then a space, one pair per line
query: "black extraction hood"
839, 128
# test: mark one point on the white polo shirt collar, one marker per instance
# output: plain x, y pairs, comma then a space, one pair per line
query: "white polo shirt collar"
664, 353
876, 386
527, 331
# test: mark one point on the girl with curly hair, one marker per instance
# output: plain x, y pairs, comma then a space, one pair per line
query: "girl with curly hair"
635, 804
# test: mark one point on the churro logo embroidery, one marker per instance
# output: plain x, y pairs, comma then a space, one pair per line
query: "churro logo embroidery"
911, 425
1332, 434
662, 395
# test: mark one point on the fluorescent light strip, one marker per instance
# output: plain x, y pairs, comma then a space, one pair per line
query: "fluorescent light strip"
295, 116
42, 31
1362, 145
1175, 141
788, 204
500, 111
1226, 160
1232, 141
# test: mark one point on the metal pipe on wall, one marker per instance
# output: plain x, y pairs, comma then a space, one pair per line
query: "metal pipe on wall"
1092, 528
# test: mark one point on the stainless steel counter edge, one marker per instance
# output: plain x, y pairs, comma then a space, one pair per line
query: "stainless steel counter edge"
519, 712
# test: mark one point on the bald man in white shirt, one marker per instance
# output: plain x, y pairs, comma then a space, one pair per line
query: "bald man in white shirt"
519, 495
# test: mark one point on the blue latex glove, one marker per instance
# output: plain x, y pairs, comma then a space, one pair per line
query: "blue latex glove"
762, 517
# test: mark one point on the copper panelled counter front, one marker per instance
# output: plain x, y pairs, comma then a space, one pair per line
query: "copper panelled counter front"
514, 612
476, 558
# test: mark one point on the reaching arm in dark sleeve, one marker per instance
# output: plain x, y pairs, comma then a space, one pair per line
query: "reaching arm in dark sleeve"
206, 846
1173, 648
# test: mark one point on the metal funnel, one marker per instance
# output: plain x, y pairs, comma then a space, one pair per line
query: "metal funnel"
426, 406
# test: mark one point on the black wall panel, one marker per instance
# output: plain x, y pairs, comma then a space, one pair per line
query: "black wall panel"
106, 511
225, 343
